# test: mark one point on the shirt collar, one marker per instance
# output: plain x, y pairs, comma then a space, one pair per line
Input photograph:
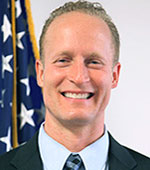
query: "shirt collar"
95, 155
54, 154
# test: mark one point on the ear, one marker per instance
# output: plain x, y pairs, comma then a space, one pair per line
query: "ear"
39, 72
115, 75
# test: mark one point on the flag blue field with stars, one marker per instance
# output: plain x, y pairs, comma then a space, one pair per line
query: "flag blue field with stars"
21, 104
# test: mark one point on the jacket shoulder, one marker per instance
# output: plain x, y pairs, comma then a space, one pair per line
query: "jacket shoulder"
123, 158
143, 162
6, 158
24, 156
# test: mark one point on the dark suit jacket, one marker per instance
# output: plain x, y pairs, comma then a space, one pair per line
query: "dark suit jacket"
27, 157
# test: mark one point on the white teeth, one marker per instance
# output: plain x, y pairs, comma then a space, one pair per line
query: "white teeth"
77, 96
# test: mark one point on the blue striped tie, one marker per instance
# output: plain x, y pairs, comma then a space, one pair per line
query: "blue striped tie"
74, 162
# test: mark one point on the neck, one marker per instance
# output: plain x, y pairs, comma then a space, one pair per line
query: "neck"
74, 137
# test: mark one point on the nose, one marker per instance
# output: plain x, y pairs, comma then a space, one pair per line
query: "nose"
78, 73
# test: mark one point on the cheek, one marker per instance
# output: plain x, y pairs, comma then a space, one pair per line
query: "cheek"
53, 77
101, 79
51, 81
102, 83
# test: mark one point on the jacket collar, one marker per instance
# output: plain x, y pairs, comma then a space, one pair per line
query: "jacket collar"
119, 156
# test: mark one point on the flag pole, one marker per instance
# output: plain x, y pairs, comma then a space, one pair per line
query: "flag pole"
14, 101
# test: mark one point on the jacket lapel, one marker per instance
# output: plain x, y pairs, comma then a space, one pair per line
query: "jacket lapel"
28, 158
119, 157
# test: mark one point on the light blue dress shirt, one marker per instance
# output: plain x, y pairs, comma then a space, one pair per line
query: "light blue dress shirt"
54, 155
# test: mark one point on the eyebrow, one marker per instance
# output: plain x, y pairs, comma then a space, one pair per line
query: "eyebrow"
68, 53
65, 53
96, 56
92, 55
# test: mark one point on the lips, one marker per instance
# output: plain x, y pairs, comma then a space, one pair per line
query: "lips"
73, 95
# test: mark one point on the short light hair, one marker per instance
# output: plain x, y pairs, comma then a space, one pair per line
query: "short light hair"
94, 9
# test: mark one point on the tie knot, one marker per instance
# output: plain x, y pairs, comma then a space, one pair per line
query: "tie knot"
73, 162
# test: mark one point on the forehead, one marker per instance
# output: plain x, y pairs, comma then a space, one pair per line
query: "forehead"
77, 30
78, 21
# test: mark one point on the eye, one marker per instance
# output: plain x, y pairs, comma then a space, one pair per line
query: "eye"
62, 60
94, 63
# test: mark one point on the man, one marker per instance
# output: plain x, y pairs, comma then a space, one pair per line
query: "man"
79, 66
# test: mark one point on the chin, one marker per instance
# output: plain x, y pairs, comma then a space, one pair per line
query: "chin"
82, 117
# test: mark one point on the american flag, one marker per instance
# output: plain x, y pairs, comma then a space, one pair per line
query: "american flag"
21, 104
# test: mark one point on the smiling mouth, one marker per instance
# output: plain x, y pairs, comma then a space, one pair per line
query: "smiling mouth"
77, 95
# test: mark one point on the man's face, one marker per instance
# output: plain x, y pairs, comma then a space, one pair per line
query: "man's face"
77, 75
